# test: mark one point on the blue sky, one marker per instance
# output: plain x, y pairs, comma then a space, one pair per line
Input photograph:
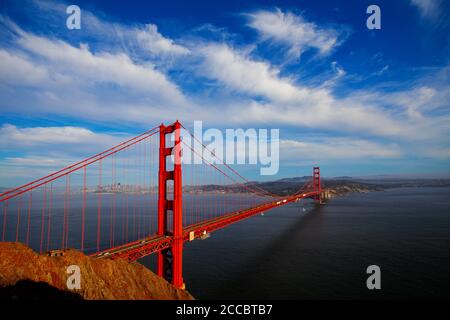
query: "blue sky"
353, 100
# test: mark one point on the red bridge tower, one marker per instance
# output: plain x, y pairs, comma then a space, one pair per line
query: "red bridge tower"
170, 260
317, 186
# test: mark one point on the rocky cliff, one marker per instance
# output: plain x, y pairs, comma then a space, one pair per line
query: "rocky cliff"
26, 274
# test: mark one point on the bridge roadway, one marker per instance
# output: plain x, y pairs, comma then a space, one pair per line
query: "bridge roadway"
146, 246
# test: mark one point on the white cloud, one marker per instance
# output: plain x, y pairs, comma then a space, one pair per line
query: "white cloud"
342, 116
332, 148
81, 64
36, 161
48, 76
337, 69
137, 39
50, 135
241, 73
293, 31
78, 82
427, 8
13, 69
41, 150
289, 103
415, 101
22, 169
443, 153
110, 85
151, 40
381, 71
33, 136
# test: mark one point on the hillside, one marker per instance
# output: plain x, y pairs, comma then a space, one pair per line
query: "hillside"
25, 274
288, 186
338, 186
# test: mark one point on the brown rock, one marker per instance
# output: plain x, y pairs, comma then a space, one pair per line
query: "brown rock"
100, 278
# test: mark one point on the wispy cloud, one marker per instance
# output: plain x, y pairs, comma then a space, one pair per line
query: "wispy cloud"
31, 152
293, 31
135, 74
140, 40
337, 148
80, 64
150, 39
428, 8
381, 71
238, 71
59, 78
93, 83
11, 135
291, 103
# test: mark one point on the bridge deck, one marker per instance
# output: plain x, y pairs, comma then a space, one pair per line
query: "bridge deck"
146, 246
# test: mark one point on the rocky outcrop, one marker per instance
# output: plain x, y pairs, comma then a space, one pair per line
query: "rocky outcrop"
26, 274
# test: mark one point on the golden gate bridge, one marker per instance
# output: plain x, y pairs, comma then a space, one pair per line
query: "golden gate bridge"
138, 198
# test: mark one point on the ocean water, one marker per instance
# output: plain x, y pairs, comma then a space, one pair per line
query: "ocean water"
303, 251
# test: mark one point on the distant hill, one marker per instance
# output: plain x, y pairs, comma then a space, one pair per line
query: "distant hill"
337, 185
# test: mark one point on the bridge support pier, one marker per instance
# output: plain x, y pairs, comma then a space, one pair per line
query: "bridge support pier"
170, 261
